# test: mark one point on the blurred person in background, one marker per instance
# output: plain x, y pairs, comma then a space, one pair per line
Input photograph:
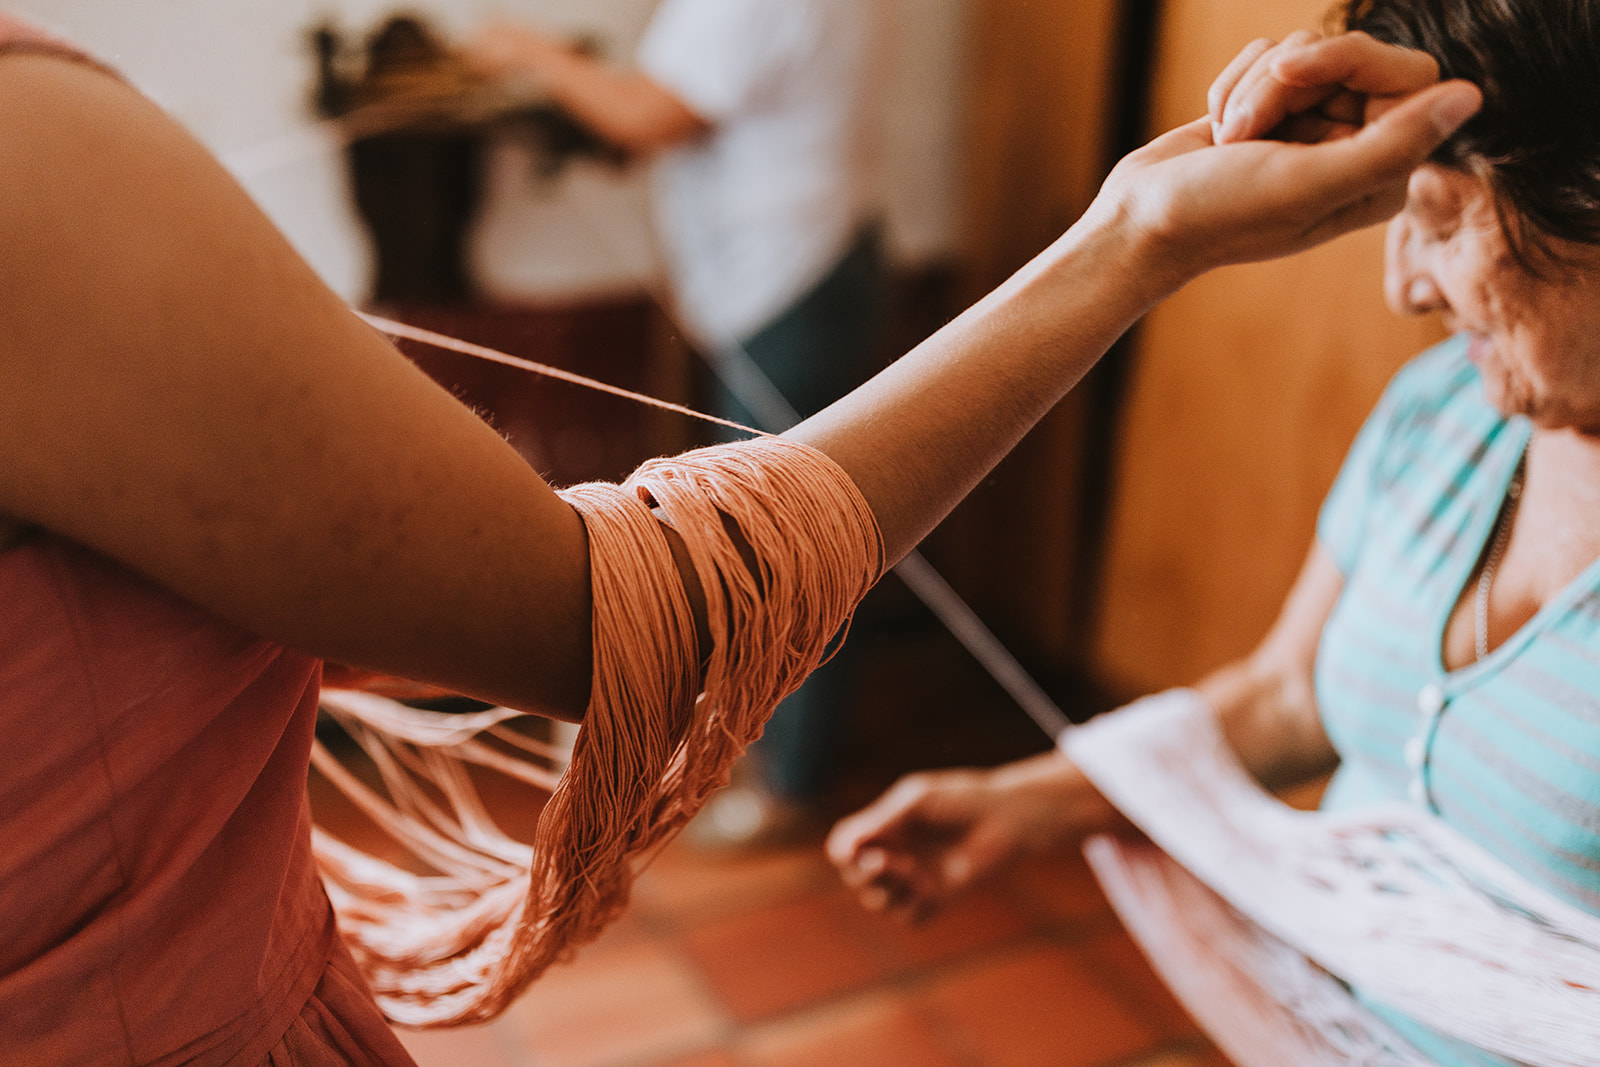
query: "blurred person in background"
756, 116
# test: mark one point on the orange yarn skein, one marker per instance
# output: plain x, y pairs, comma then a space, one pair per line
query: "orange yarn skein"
655, 743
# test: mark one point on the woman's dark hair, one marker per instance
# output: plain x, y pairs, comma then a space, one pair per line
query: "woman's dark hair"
1537, 140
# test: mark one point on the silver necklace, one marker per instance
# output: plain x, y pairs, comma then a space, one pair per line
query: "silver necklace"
1497, 549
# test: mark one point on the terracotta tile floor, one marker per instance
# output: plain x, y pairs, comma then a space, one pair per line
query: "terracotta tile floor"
763, 961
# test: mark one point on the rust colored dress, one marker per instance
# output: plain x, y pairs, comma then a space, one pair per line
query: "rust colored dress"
158, 900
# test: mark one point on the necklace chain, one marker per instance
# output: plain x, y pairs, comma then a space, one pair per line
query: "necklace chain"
1491, 564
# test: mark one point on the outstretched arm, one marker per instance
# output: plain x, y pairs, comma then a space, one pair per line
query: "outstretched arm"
179, 391
918, 437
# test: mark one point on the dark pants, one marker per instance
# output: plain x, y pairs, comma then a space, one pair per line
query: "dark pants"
821, 346
817, 350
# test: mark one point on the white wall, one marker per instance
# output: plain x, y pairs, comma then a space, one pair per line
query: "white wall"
924, 102
238, 72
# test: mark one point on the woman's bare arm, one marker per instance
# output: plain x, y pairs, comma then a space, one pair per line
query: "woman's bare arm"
11, 532
1266, 702
179, 391
919, 436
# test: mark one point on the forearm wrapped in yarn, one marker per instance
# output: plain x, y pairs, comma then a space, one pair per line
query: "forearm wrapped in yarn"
783, 546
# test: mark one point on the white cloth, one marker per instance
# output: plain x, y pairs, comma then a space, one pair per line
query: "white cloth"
1390, 899
754, 214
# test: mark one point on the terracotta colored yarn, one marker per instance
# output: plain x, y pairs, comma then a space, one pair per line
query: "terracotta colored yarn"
459, 946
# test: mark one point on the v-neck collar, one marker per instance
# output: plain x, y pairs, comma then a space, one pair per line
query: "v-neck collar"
1507, 455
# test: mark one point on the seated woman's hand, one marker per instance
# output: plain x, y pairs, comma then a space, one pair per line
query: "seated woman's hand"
934, 834
1363, 114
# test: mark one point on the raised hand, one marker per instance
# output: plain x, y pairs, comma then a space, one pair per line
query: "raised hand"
1363, 115
1311, 88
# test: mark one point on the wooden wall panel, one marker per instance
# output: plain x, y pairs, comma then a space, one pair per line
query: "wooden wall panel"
1247, 389
1040, 86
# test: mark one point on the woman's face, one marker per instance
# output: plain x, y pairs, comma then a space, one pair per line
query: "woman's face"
1535, 339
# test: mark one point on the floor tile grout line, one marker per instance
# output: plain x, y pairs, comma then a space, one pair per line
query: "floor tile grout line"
668, 922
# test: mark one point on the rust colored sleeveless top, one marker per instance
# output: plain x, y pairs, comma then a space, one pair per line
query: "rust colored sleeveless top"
158, 900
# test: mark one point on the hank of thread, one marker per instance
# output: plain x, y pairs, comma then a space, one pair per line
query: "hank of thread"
783, 547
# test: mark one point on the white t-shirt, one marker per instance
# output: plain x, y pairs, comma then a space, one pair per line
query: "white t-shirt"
753, 215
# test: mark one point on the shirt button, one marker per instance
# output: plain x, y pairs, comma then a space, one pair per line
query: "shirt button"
1416, 753
1430, 701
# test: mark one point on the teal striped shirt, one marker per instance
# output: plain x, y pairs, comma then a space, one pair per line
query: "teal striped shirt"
1507, 750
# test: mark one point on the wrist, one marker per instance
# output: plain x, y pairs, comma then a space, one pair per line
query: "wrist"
1102, 275
1052, 800
1152, 259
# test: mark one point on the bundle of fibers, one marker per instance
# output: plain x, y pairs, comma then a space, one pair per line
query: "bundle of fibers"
783, 547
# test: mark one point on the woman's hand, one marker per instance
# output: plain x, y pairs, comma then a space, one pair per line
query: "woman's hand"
934, 834
1311, 88
1362, 115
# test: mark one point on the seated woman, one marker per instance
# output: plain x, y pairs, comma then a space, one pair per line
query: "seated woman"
213, 475
1440, 644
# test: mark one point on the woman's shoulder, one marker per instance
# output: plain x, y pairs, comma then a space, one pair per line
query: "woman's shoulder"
1428, 432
